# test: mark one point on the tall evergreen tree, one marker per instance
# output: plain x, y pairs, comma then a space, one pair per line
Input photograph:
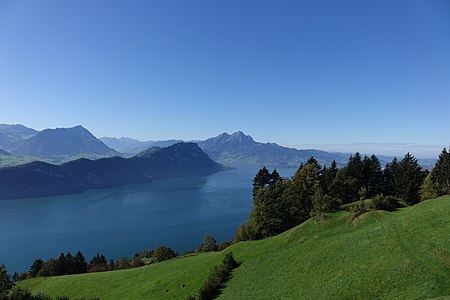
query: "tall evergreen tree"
98, 264
36, 267
262, 179
344, 188
5, 282
355, 169
209, 244
440, 175
389, 178
408, 179
80, 265
328, 175
373, 176
267, 216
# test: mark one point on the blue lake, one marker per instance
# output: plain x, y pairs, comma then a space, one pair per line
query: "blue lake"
124, 220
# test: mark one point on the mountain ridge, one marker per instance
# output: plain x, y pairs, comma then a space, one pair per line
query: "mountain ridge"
63, 142
39, 179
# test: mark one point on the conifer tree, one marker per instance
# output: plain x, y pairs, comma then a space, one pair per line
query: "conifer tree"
408, 179
5, 282
440, 174
36, 267
373, 176
389, 177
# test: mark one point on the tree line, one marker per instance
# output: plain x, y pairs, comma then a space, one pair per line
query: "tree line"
282, 203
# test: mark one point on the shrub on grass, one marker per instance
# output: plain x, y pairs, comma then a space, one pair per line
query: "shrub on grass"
358, 209
216, 279
388, 203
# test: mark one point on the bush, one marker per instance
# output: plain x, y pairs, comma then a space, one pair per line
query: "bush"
358, 209
388, 203
216, 279
163, 253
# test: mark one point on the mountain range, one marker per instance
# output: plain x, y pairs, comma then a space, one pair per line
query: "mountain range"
11, 136
240, 149
39, 179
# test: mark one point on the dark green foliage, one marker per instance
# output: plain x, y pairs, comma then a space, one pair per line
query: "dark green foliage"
5, 281
328, 175
18, 293
429, 189
373, 176
136, 262
243, 233
112, 265
146, 253
229, 261
163, 253
322, 204
268, 215
344, 188
49, 268
36, 267
218, 276
79, 264
209, 244
355, 169
440, 174
388, 203
358, 209
123, 263
98, 264
21, 276
223, 245
264, 179
389, 177
408, 179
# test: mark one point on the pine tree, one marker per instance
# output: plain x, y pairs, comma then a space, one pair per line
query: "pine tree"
408, 179
267, 216
98, 264
344, 188
209, 244
440, 174
388, 178
80, 265
36, 267
373, 176
328, 175
261, 180
5, 282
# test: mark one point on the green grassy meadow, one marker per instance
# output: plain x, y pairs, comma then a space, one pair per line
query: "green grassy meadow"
402, 255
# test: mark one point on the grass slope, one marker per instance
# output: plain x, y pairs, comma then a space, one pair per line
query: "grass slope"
402, 255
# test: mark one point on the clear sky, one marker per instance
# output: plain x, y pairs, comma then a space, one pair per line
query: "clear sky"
292, 72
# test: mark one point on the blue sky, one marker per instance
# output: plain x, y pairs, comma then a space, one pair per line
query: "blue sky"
291, 72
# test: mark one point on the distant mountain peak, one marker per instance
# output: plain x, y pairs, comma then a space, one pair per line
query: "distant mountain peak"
241, 137
62, 142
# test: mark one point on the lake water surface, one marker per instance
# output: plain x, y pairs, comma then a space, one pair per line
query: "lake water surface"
121, 221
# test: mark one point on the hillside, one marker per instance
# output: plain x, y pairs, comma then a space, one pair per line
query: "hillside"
404, 254
38, 179
64, 142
